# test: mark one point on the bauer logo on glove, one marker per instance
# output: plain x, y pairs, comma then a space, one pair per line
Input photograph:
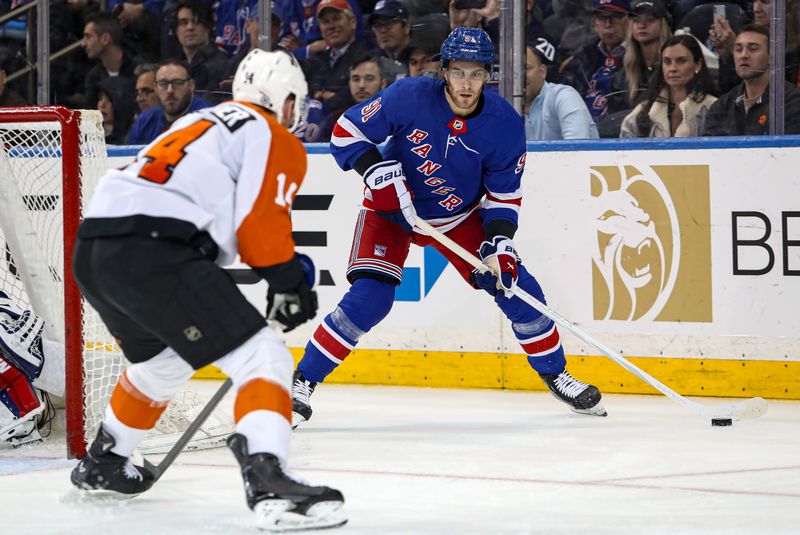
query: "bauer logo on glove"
500, 257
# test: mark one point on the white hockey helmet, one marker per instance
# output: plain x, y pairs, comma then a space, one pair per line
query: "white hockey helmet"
267, 79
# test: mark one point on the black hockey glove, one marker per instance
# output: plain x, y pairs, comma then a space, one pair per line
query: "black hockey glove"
291, 301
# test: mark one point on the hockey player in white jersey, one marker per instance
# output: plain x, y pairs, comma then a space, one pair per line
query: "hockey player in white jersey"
218, 183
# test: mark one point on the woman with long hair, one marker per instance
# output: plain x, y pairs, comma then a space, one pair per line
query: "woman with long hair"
679, 95
649, 28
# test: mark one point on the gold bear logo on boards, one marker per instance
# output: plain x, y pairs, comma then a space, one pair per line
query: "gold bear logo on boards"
652, 259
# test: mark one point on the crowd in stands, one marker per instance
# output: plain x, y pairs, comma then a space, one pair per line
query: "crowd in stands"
594, 68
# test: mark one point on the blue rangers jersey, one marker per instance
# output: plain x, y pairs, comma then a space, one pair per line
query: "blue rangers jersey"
453, 165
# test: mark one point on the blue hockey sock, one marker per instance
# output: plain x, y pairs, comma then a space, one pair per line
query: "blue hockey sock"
364, 306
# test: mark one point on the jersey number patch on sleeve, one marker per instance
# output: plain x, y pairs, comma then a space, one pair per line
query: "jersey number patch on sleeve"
167, 153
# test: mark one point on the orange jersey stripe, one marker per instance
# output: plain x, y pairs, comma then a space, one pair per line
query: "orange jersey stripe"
265, 235
262, 395
133, 408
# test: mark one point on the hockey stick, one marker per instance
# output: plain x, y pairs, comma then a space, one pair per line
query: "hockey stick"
159, 469
749, 408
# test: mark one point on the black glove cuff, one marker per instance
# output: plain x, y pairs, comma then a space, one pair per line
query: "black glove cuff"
283, 277
499, 227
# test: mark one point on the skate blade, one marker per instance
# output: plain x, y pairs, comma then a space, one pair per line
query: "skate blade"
275, 516
297, 419
597, 410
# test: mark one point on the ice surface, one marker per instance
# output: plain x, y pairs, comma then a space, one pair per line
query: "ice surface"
433, 461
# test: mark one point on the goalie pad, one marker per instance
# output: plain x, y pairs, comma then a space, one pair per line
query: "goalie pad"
21, 337
19, 406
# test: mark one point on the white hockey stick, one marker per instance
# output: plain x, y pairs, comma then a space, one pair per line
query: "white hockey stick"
749, 408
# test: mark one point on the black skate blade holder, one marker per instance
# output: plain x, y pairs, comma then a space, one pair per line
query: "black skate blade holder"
749, 408
159, 469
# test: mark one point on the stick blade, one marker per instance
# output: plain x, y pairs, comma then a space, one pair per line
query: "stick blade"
750, 408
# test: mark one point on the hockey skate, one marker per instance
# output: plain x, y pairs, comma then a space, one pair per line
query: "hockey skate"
302, 389
280, 502
105, 474
581, 397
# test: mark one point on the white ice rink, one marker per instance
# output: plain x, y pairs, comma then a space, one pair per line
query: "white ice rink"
412, 460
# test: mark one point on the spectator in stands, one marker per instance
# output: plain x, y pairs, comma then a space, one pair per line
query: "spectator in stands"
302, 32
115, 102
744, 110
8, 97
648, 29
146, 96
591, 71
679, 96
552, 111
209, 65
328, 71
420, 61
175, 90
141, 27
392, 30
102, 38
367, 77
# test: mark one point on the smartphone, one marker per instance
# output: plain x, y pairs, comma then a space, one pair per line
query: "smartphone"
470, 4
719, 12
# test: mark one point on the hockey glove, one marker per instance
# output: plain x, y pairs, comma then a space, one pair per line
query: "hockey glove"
291, 301
388, 190
501, 258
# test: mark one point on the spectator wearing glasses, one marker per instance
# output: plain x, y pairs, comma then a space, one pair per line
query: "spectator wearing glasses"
679, 96
552, 111
146, 96
175, 90
392, 30
591, 71
208, 64
648, 29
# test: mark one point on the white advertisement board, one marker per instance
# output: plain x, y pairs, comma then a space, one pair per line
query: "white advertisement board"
680, 253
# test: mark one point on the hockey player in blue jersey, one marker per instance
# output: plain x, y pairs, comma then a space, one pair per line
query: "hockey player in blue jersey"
455, 158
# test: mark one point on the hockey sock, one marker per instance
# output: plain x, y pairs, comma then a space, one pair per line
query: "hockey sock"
130, 415
364, 306
536, 333
263, 414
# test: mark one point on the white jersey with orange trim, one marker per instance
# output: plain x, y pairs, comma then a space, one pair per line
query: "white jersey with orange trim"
231, 170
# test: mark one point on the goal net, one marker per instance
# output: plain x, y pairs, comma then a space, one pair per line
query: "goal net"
50, 160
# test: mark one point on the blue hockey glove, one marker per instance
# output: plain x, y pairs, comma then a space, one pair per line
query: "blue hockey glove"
500, 256
389, 193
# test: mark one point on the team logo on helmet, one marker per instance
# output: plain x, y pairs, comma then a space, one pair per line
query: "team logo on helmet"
652, 255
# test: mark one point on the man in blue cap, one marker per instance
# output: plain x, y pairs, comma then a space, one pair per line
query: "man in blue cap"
389, 22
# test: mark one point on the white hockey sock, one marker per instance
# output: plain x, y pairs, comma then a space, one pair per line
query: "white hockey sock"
266, 432
126, 437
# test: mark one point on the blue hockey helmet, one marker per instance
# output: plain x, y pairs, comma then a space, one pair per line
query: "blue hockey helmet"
467, 44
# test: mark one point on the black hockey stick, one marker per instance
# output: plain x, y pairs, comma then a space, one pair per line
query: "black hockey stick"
159, 469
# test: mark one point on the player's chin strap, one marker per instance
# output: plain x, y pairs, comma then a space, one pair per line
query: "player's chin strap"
749, 408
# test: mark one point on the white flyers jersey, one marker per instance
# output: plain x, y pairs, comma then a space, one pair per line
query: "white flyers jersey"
231, 170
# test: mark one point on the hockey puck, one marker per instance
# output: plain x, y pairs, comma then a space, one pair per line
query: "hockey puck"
721, 421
